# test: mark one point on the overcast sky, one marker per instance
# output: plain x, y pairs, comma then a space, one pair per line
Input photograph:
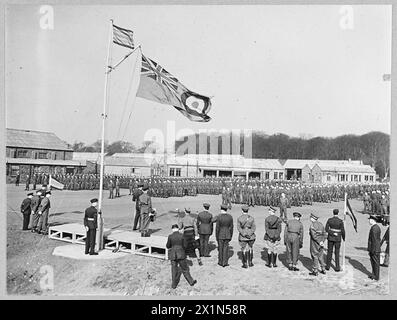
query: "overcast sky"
289, 69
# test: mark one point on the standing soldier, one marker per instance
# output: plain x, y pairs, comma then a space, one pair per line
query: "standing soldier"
246, 228
176, 246
145, 208
223, 233
35, 210
374, 247
317, 238
293, 239
117, 188
205, 229
367, 203
336, 233
283, 207
131, 186
229, 196
34, 181
386, 239
188, 226
110, 187
17, 179
27, 183
44, 211
91, 224
135, 198
26, 210
272, 237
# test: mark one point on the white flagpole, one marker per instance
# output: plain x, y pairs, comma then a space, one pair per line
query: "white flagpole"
344, 242
99, 237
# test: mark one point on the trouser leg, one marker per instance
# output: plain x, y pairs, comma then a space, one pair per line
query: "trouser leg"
136, 219
295, 252
220, 251
329, 253
225, 252
185, 271
87, 241
26, 219
92, 240
337, 251
35, 220
375, 261
288, 248
175, 273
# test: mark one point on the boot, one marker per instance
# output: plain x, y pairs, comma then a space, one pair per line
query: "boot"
314, 273
269, 260
250, 256
244, 260
274, 256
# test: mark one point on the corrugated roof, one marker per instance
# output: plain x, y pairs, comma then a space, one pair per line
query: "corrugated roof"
35, 139
127, 162
46, 162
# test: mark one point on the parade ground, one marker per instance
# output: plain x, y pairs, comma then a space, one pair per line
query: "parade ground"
30, 256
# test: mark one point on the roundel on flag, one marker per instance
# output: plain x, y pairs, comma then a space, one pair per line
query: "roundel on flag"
196, 102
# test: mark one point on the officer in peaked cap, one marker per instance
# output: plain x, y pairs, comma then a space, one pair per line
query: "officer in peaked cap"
135, 197
317, 239
374, 247
246, 228
26, 209
336, 233
91, 224
272, 237
293, 240
205, 229
224, 233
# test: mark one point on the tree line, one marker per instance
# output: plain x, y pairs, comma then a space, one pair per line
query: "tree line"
372, 148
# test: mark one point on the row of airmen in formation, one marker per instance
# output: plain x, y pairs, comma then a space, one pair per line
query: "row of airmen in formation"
233, 190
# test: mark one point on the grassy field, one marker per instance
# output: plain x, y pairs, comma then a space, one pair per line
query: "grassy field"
28, 255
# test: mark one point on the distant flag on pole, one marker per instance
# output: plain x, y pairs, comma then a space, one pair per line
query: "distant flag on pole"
157, 84
55, 183
123, 37
350, 213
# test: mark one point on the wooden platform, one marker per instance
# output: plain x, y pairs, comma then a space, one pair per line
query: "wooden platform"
70, 232
126, 241
132, 242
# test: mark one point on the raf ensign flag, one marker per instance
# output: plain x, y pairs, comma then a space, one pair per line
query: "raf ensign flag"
158, 85
123, 37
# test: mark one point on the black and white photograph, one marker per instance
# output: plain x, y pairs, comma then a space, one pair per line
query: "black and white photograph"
197, 151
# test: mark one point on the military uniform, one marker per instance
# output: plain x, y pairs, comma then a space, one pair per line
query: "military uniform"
91, 224
26, 209
44, 211
246, 228
336, 232
135, 198
293, 239
272, 238
145, 208
374, 250
223, 233
176, 253
317, 237
205, 229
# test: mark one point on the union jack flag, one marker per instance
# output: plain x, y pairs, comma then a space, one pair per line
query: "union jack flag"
157, 84
123, 37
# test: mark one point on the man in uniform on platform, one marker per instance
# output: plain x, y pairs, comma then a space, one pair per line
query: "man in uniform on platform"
317, 239
145, 208
374, 247
137, 219
223, 233
336, 233
26, 210
205, 229
176, 246
293, 240
246, 228
272, 237
91, 224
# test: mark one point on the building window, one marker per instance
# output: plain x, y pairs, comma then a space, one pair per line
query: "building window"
355, 177
132, 170
172, 172
371, 178
275, 176
14, 171
22, 154
178, 172
42, 155
342, 177
328, 177
267, 175
366, 178
280, 175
